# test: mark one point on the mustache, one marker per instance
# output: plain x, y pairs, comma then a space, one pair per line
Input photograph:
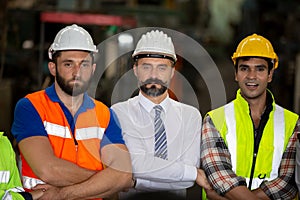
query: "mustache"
75, 79
154, 81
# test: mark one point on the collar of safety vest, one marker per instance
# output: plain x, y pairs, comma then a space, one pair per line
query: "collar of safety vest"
87, 101
270, 101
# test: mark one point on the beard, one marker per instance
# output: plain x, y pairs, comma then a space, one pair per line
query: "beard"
153, 91
72, 89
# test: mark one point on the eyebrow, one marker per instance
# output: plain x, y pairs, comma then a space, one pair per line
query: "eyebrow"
156, 65
70, 60
260, 65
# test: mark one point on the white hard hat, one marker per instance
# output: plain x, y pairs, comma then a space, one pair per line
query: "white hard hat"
72, 38
155, 44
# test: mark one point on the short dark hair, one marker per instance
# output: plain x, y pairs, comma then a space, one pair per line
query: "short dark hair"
269, 61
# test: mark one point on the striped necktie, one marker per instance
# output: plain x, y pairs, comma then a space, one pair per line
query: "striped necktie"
160, 135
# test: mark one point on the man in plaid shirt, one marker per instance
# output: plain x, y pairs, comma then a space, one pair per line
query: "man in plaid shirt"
248, 146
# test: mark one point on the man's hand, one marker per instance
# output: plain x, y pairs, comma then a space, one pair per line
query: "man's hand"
37, 194
213, 195
201, 180
49, 191
260, 194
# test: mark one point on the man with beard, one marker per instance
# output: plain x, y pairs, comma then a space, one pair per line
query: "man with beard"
69, 142
248, 146
162, 135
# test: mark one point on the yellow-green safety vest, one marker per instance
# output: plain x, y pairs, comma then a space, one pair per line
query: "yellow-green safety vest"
236, 128
234, 123
10, 182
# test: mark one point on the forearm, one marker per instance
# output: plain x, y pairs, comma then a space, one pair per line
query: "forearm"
216, 160
240, 191
63, 173
52, 170
279, 188
284, 186
260, 194
101, 185
213, 195
117, 176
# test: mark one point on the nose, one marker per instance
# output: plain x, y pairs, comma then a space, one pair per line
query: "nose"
154, 72
76, 69
251, 73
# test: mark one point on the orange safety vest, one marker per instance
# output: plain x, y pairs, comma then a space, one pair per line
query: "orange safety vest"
89, 130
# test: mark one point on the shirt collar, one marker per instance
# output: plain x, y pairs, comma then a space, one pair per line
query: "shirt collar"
86, 104
148, 105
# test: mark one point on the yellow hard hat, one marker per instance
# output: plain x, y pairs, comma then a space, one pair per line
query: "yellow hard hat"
256, 46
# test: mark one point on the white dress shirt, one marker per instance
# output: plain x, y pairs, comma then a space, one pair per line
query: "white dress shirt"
183, 128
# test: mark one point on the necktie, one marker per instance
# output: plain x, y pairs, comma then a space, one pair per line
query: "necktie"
160, 135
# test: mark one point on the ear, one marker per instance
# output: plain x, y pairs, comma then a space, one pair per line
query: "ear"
52, 68
270, 76
235, 76
172, 72
135, 70
94, 67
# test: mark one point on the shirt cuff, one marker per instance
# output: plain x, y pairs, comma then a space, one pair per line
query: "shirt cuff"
141, 183
190, 173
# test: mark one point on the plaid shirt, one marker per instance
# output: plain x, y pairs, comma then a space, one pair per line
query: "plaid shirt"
216, 162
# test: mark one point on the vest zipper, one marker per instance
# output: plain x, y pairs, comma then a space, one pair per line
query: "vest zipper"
252, 171
257, 137
76, 143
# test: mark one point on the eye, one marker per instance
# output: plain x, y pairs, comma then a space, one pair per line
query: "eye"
85, 65
261, 68
243, 68
162, 67
146, 67
68, 65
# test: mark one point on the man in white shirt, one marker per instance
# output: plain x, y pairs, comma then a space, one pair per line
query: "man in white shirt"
165, 154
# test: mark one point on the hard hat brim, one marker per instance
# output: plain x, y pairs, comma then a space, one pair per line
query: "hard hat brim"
151, 55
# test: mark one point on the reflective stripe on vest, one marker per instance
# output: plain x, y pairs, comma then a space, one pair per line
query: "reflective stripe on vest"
8, 196
29, 182
57, 130
278, 142
89, 129
231, 136
89, 133
16, 189
81, 133
4, 176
